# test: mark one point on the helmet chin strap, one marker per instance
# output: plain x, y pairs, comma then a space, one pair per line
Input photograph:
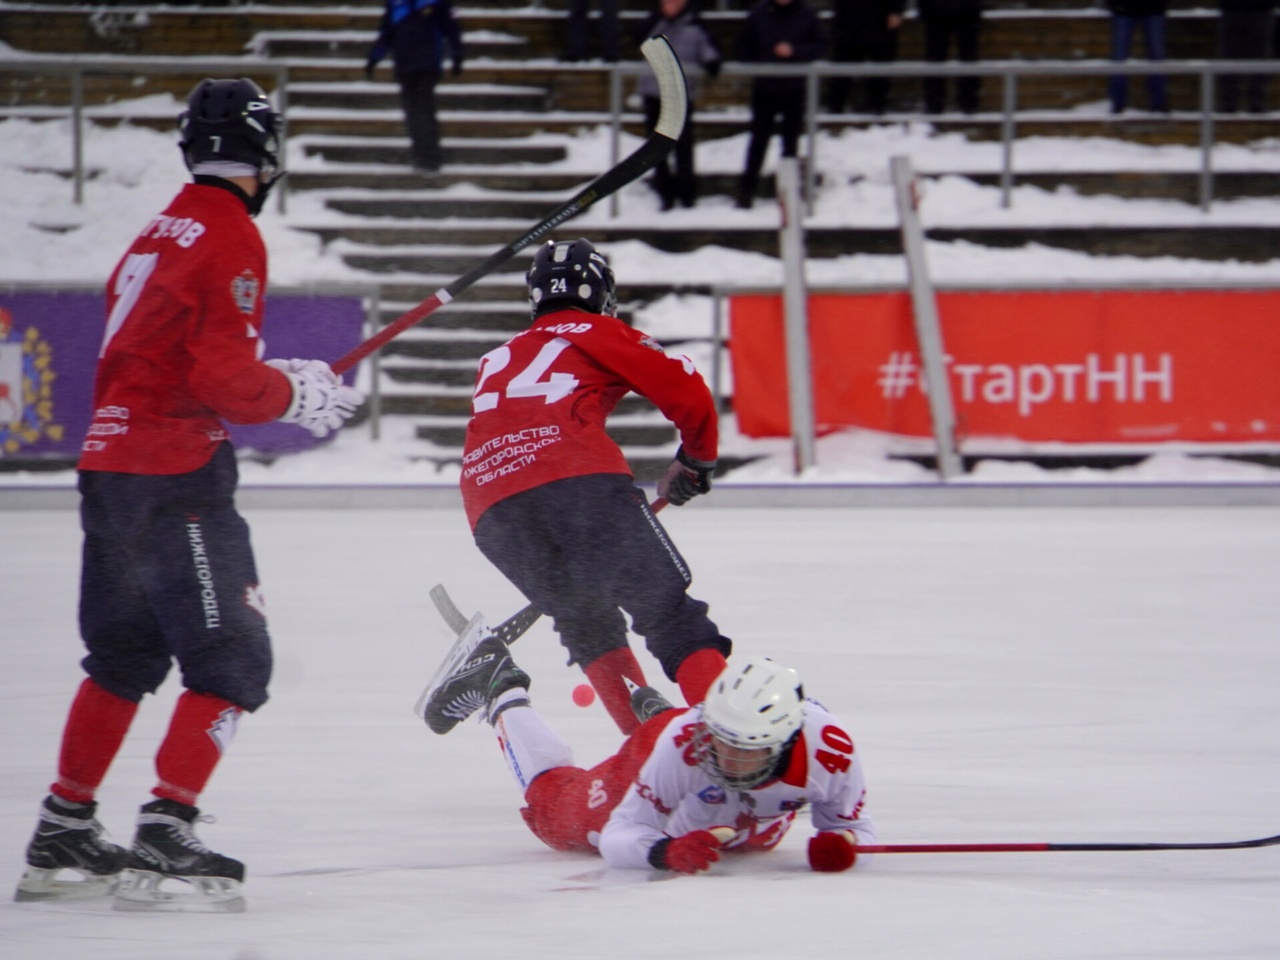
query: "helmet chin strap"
259, 199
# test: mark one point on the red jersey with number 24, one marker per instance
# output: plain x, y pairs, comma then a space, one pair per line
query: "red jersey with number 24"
541, 400
182, 350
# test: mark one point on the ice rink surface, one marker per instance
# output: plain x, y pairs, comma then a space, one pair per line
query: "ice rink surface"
1009, 674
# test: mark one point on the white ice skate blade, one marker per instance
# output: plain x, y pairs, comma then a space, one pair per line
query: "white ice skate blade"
141, 892
467, 641
39, 883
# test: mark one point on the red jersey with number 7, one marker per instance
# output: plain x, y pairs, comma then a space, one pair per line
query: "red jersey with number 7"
542, 398
182, 350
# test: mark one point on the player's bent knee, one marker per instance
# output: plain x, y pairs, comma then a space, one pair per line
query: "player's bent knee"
558, 810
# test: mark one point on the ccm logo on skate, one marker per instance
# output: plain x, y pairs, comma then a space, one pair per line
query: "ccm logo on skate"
478, 661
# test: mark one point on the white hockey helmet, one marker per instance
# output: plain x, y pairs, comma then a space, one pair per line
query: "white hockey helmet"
752, 714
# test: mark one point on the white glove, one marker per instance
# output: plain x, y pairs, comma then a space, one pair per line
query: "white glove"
321, 401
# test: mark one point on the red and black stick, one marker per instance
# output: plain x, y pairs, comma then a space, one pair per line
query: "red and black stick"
671, 120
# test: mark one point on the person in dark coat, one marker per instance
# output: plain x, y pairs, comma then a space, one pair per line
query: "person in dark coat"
1127, 18
1246, 31
863, 31
949, 23
698, 53
415, 33
778, 32
576, 45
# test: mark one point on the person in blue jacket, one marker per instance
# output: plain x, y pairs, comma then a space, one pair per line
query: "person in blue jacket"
415, 33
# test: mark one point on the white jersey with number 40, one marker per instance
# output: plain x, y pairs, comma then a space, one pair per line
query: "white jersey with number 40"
673, 795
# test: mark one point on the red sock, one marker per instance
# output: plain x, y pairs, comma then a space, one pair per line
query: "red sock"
697, 672
200, 730
605, 674
96, 725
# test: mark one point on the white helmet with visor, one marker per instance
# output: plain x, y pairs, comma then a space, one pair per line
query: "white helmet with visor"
752, 714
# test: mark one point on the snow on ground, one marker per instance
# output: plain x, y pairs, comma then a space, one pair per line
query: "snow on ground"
1020, 675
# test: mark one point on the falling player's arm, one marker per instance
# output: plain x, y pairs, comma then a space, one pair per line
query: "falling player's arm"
639, 833
634, 827
840, 792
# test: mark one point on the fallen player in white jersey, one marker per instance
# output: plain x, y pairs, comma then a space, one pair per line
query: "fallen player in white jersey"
729, 774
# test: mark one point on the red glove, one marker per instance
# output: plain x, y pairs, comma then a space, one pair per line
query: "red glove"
833, 851
688, 854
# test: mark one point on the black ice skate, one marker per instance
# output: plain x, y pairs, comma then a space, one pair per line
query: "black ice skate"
647, 702
476, 670
166, 848
69, 837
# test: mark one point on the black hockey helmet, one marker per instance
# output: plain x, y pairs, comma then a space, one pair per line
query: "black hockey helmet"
571, 273
231, 121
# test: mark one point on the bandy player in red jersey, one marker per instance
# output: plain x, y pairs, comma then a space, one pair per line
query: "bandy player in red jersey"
552, 501
167, 570
729, 774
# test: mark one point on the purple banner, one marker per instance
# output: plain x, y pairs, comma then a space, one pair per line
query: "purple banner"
309, 328
49, 348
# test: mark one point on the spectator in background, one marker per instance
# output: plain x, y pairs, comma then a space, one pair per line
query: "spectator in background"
576, 42
697, 52
1127, 17
863, 31
416, 32
1246, 31
949, 23
776, 32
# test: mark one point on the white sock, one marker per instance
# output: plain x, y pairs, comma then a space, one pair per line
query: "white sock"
529, 745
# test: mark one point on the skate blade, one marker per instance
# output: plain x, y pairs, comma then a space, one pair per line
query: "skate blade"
467, 641
39, 883
141, 891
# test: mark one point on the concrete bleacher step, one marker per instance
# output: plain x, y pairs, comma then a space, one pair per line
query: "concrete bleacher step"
1179, 128
436, 375
1183, 186
399, 177
395, 150
493, 319
490, 125
1245, 242
383, 206
462, 94
355, 44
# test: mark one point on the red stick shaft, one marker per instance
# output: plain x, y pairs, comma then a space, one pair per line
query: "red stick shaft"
389, 332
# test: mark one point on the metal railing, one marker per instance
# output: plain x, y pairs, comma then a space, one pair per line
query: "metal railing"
1009, 72
77, 67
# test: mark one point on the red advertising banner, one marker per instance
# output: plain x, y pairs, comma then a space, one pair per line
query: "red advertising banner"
1102, 366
